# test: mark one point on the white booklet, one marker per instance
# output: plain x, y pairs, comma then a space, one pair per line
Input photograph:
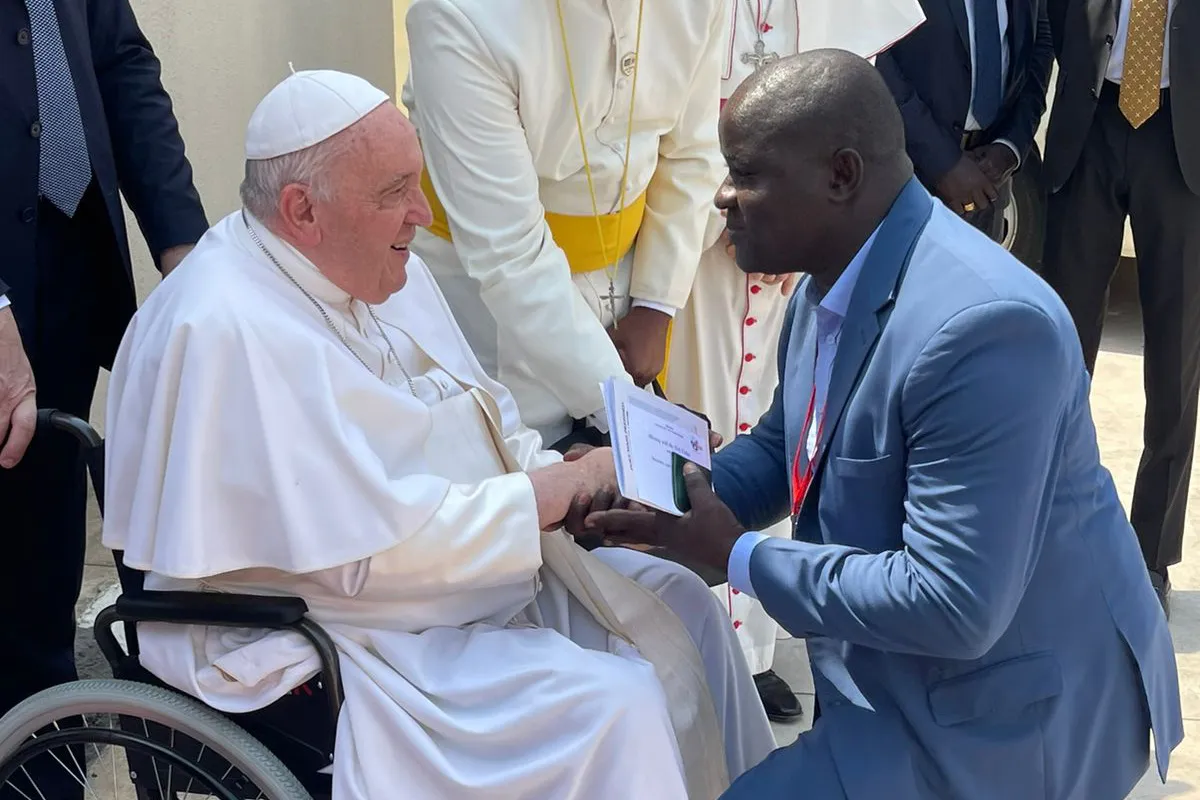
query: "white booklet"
647, 432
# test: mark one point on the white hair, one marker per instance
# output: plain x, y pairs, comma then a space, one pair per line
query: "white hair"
266, 178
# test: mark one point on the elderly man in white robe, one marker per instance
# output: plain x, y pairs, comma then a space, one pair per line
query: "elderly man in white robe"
295, 412
725, 340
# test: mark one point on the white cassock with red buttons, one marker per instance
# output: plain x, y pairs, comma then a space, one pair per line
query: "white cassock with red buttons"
723, 346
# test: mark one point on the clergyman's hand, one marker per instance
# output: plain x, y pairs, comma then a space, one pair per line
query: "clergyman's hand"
18, 401
641, 340
706, 534
786, 281
965, 188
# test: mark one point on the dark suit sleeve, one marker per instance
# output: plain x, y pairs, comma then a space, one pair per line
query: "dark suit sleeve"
1020, 125
933, 149
750, 473
152, 168
982, 408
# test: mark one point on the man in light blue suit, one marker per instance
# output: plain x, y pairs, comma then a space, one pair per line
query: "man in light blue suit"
978, 616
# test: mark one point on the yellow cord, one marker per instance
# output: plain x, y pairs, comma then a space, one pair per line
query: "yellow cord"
609, 271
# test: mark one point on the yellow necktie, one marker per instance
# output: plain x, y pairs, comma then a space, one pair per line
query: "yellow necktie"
1142, 80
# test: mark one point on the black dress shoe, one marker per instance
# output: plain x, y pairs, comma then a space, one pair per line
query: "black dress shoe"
777, 697
1162, 587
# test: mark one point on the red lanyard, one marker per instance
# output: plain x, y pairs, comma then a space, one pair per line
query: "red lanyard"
800, 483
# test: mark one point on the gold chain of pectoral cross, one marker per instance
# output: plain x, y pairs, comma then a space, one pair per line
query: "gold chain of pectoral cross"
610, 270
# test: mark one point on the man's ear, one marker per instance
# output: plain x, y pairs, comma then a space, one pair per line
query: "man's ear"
297, 216
845, 175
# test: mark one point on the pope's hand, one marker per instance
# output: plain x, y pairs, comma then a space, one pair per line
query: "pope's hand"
557, 486
18, 403
641, 340
706, 533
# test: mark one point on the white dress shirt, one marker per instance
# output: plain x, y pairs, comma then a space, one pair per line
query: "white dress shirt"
1116, 58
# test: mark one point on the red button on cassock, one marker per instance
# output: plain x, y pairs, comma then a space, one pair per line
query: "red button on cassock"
745, 426
737, 623
749, 357
750, 320
755, 289
744, 390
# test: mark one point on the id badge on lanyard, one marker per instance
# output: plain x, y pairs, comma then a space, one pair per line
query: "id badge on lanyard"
806, 452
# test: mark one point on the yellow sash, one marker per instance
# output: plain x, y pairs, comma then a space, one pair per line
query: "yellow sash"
576, 235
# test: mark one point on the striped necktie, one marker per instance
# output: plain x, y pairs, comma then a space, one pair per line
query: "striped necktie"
65, 168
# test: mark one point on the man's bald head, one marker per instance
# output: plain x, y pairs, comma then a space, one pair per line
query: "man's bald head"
816, 103
815, 148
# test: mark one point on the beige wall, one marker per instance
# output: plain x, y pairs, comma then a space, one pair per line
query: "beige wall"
221, 56
401, 42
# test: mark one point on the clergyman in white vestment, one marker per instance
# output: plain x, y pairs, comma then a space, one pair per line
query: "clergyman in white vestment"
723, 346
295, 412
539, 118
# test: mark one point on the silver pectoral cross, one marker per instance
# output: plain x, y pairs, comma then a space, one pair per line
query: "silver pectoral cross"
760, 57
611, 299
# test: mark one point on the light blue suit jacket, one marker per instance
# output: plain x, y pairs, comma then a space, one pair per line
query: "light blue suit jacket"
979, 618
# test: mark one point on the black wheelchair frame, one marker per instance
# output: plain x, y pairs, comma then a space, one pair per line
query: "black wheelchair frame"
299, 728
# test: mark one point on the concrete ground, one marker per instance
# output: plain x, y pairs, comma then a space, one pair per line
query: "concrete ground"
1117, 406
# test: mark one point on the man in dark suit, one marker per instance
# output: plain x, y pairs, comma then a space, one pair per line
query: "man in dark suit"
1124, 141
971, 84
82, 112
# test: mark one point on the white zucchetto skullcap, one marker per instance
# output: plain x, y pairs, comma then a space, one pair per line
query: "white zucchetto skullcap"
306, 108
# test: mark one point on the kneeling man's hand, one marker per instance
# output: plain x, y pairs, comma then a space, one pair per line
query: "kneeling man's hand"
585, 505
706, 533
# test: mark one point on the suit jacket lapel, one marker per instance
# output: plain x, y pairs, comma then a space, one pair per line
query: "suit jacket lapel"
871, 302
958, 11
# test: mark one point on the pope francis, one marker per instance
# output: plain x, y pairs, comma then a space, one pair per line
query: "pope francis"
295, 412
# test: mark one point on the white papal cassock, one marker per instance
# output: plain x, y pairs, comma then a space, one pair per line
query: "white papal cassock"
723, 348
250, 451
490, 95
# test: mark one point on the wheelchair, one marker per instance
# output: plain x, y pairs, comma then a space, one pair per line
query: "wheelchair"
175, 748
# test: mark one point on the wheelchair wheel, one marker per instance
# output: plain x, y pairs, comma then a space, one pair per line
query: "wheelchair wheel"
119, 740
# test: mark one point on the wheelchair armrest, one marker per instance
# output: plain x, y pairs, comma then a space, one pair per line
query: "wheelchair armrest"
223, 610
212, 608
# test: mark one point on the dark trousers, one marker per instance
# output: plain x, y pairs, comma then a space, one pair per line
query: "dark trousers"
43, 499
1125, 172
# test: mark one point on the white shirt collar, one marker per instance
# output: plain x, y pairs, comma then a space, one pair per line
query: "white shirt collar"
303, 271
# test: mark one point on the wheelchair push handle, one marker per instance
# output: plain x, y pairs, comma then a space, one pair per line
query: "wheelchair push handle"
53, 419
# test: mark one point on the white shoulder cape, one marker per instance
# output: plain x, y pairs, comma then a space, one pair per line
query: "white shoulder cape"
241, 432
